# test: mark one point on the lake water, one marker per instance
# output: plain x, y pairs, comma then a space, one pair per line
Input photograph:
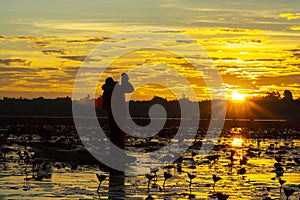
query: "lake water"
256, 178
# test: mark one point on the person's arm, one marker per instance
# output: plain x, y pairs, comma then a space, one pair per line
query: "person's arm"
127, 87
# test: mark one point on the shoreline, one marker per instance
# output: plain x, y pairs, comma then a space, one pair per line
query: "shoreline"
244, 123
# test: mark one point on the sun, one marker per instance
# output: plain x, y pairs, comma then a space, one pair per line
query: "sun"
235, 96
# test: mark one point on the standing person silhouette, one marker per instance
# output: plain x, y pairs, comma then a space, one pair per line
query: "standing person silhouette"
108, 89
117, 135
120, 104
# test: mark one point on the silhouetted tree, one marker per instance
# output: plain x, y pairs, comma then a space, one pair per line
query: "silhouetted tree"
269, 106
273, 96
288, 96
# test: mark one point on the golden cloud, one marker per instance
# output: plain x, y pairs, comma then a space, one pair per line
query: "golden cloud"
290, 16
11, 61
295, 28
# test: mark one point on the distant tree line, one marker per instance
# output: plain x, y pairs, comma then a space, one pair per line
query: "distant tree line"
36, 106
270, 106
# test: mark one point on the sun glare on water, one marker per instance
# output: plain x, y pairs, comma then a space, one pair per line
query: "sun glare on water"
237, 142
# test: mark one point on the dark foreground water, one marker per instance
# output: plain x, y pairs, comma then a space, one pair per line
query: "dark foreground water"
245, 168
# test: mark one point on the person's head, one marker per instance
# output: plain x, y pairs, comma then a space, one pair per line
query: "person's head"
109, 84
109, 80
125, 77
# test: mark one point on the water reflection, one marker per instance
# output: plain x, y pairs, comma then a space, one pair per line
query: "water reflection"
258, 169
237, 142
116, 185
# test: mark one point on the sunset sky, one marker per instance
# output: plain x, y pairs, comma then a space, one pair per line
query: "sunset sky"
255, 45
